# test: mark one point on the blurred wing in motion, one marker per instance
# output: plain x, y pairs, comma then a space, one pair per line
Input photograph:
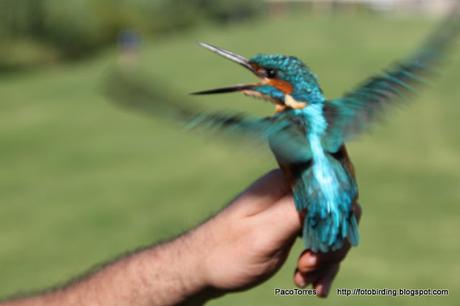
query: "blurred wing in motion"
131, 92
353, 114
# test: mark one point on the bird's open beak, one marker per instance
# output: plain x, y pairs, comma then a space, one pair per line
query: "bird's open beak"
234, 58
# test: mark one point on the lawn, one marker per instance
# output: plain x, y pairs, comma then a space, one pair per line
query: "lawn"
82, 181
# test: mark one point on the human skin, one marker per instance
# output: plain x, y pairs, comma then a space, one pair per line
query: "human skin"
237, 249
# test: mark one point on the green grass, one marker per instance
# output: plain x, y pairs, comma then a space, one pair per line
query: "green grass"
82, 181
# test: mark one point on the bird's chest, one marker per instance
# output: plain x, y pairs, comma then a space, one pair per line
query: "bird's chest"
305, 127
313, 119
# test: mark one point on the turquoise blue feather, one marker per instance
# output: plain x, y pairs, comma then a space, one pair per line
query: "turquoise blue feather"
354, 113
134, 93
327, 227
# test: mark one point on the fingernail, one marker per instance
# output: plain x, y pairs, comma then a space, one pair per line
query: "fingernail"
302, 283
323, 290
312, 260
320, 291
299, 280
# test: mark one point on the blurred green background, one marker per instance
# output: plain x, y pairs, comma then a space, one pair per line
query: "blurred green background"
82, 181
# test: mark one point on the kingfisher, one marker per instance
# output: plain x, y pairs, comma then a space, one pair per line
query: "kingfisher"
308, 132
315, 164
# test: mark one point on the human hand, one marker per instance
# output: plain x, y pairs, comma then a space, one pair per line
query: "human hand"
240, 247
248, 241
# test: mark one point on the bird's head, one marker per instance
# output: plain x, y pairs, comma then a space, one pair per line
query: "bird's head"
283, 80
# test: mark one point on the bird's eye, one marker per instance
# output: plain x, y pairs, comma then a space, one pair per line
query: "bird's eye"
271, 73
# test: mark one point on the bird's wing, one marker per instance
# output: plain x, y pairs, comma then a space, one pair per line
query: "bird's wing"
353, 113
132, 92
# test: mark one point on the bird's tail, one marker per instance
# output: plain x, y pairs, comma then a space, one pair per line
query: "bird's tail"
327, 225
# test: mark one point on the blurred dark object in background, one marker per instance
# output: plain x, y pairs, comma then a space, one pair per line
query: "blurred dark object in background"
34, 32
129, 44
